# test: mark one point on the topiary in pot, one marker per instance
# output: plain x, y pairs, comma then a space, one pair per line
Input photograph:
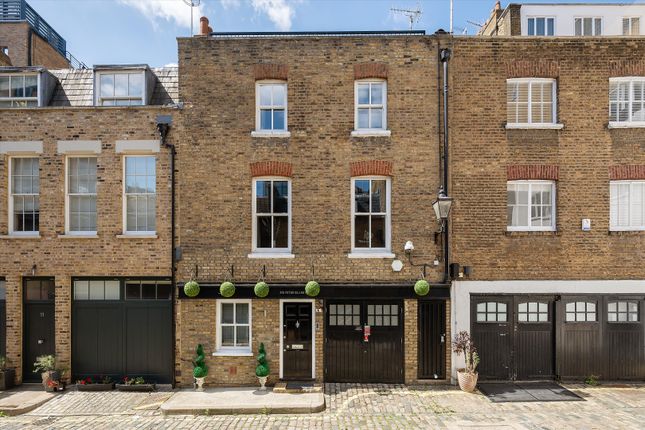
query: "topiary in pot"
227, 289
199, 367
191, 288
422, 287
261, 289
262, 369
312, 289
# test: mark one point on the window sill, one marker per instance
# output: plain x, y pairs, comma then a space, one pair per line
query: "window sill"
371, 133
265, 134
627, 232
532, 233
20, 236
136, 236
78, 236
371, 255
271, 255
616, 124
534, 126
234, 353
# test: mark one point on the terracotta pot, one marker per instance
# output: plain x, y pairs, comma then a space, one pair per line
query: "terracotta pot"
467, 381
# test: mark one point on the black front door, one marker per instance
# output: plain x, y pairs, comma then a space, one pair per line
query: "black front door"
297, 340
432, 339
3, 319
38, 339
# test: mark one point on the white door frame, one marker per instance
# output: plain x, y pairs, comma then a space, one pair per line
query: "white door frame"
313, 332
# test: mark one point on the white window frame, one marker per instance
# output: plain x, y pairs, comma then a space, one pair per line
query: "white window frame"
22, 99
124, 198
530, 123
259, 132
385, 252
382, 131
546, 18
233, 350
269, 252
593, 26
631, 20
529, 227
629, 123
10, 195
612, 199
68, 231
99, 99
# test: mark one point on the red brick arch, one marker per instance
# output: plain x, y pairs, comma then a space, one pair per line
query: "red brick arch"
270, 71
532, 171
271, 168
370, 167
617, 173
532, 69
370, 70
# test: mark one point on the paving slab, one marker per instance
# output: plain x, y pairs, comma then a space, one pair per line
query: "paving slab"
233, 401
20, 400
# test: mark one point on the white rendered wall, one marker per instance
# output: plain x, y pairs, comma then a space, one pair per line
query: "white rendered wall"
612, 16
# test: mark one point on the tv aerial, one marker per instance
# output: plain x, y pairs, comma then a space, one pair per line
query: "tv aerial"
192, 4
414, 15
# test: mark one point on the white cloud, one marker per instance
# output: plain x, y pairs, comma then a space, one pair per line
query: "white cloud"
230, 4
168, 10
280, 12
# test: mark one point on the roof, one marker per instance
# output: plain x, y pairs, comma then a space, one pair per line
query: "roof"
121, 67
26, 69
288, 34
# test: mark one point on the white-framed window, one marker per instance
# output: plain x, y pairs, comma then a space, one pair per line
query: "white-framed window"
140, 194
271, 106
581, 312
631, 26
531, 205
24, 196
371, 214
97, 289
18, 90
533, 312
623, 311
541, 26
234, 326
272, 215
492, 312
587, 26
120, 88
370, 100
531, 101
627, 100
81, 195
627, 205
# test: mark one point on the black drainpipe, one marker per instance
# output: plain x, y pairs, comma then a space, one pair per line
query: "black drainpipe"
444, 56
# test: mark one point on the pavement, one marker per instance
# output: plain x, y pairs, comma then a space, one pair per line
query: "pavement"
21, 400
352, 406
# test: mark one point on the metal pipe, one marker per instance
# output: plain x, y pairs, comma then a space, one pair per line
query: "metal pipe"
445, 57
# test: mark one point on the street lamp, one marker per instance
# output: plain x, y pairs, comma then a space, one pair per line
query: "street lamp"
442, 205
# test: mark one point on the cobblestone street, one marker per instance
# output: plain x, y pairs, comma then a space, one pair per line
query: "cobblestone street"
351, 406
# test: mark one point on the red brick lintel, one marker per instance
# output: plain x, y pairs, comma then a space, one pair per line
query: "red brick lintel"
532, 69
617, 173
370, 70
270, 71
371, 167
271, 168
532, 172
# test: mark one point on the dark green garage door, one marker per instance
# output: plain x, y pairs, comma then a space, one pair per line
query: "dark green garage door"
3, 319
122, 328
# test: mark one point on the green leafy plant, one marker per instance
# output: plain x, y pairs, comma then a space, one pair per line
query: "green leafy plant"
191, 288
463, 344
200, 370
227, 289
262, 368
261, 289
134, 381
422, 287
592, 380
3, 362
45, 363
312, 289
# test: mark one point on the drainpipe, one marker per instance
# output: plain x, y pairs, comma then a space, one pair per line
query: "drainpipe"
444, 56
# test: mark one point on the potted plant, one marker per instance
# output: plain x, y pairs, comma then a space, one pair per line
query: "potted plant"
7, 375
227, 289
312, 289
262, 369
104, 383
261, 289
199, 368
191, 289
422, 287
46, 366
135, 384
467, 376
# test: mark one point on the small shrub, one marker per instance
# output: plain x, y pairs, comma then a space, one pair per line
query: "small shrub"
592, 380
262, 368
312, 289
199, 364
45, 363
422, 287
134, 381
227, 289
191, 289
463, 344
3, 362
261, 289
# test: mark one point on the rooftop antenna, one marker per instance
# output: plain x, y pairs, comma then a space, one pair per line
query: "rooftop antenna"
414, 15
476, 24
192, 4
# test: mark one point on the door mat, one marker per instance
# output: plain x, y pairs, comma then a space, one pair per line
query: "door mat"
527, 392
293, 385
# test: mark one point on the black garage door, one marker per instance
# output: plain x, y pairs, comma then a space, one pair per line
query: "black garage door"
348, 357
122, 328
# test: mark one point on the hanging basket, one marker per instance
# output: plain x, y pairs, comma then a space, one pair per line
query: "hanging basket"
261, 289
191, 289
422, 287
312, 289
227, 289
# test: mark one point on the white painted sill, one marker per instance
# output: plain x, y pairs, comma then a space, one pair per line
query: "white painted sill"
78, 236
625, 229
616, 124
233, 353
534, 126
371, 255
20, 236
371, 133
136, 236
279, 134
271, 255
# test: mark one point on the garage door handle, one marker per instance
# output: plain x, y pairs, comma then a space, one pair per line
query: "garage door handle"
502, 334
41, 341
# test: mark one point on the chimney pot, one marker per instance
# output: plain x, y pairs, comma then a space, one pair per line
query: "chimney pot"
203, 26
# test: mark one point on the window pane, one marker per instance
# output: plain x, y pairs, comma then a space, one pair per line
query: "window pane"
227, 313
379, 196
31, 86
228, 335
263, 196
242, 336
242, 313
361, 195
97, 290
531, 27
120, 85
540, 26
107, 85
363, 94
265, 119
281, 232
4, 86
578, 26
264, 232
279, 93
265, 95
81, 290
133, 290
378, 231
377, 94
17, 86
280, 197
148, 290
112, 290
376, 118
135, 84
361, 232
363, 118
597, 26
164, 291
279, 119
587, 26
550, 30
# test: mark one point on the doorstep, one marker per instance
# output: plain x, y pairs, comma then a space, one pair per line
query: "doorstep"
247, 400
23, 399
297, 387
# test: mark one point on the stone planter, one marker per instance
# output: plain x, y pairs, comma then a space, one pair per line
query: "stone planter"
263, 381
136, 387
95, 387
199, 383
7, 378
467, 381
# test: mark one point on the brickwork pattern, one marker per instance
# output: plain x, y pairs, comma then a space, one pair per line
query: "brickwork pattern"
371, 167
532, 69
625, 67
617, 173
271, 71
532, 172
370, 70
23, 43
271, 168
43, 54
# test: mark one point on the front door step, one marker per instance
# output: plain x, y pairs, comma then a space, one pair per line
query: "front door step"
298, 387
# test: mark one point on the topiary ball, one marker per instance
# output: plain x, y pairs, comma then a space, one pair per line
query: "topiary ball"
227, 289
422, 287
191, 288
262, 370
200, 372
261, 289
312, 289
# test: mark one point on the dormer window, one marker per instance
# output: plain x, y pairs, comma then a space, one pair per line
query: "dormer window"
18, 90
120, 88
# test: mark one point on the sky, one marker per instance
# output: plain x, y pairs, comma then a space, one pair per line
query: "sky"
145, 31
